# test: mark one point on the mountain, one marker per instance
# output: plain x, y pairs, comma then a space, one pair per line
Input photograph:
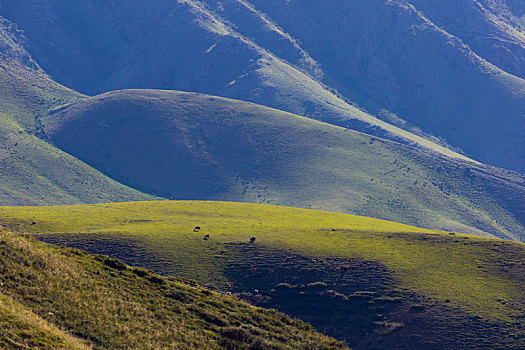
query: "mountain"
193, 146
182, 45
390, 58
31, 170
374, 283
82, 301
406, 62
492, 28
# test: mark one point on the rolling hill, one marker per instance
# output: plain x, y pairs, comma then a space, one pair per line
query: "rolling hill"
455, 81
374, 283
140, 45
57, 298
31, 170
191, 146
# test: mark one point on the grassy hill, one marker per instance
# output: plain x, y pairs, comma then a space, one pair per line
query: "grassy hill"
449, 80
139, 45
57, 298
31, 170
375, 283
191, 146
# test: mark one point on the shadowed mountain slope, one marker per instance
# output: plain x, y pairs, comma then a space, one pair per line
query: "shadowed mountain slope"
181, 45
192, 146
437, 78
374, 283
398, 64
31, 170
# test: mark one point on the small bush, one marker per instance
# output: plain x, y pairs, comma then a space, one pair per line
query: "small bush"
141, 272
157, 280
317, 285
115, 264
236, 333
284, 286
260, 344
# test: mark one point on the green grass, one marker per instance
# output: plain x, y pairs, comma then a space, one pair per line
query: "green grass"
192, 146
108, 305
33, 172
260, 74
434, 283
22, 329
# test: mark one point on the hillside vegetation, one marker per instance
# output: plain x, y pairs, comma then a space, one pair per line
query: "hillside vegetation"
190, 146
374, 283
58, 298
31, 170
117, 43
450, 71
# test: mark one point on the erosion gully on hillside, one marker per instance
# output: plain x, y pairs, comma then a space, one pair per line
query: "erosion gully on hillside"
354, 300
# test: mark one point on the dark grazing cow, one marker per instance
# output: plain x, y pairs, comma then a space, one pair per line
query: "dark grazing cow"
206, 237
196, 229
252, 239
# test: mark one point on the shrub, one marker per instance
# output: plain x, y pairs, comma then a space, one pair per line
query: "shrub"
317, 285
115, 264
236, 333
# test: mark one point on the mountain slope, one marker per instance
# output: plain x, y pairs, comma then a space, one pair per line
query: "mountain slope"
376, 284
181, 45
492, 28
20, 328
31, 170
192, 146
390, 59
384, 55
111, 306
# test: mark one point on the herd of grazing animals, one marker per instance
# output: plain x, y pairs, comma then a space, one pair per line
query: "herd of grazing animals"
288, 258
206, 237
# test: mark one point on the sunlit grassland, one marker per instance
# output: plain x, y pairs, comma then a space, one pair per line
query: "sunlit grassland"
436, 264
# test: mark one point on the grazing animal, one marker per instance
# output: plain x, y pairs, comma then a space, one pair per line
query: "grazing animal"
252, 239
253, 269
196, 229
33, 223
206, 237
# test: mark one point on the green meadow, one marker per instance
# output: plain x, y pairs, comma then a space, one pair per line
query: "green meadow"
410, 274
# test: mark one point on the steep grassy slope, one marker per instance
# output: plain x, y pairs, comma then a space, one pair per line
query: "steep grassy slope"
108, 305
182, 45
191, 146
376, 284
20, 328
31, 170
390, 59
